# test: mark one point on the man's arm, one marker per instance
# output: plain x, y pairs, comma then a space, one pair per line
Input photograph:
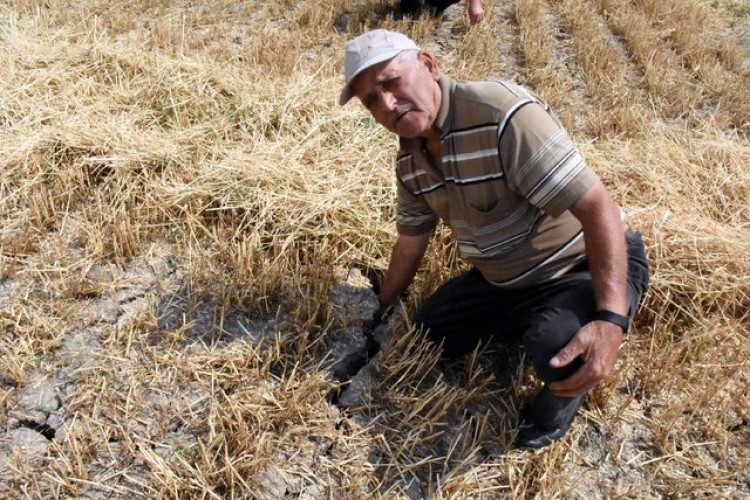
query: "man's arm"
406, 256
597, 342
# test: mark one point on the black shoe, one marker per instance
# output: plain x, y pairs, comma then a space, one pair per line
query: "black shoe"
547, 420
533, 437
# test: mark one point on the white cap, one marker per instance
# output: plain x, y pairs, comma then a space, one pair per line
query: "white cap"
368, 50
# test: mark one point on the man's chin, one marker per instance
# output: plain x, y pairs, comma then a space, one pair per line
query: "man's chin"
408, 130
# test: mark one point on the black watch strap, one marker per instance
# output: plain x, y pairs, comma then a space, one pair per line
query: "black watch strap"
612, 317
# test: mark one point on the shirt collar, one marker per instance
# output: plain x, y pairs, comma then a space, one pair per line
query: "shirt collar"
445, 113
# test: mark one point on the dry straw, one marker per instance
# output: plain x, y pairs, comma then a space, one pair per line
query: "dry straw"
184, 165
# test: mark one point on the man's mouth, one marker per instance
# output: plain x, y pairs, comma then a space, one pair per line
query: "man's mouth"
400, 114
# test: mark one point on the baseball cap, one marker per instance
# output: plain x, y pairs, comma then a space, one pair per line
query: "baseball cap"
368, 50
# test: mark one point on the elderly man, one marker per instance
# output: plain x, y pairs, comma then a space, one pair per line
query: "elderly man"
553, 264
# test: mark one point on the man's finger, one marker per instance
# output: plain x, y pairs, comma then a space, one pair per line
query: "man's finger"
575, 385
567, 354
570, 391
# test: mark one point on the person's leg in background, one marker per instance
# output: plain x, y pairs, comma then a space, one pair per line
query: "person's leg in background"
440, 5
412, 7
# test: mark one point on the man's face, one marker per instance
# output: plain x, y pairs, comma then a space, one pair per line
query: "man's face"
402, 94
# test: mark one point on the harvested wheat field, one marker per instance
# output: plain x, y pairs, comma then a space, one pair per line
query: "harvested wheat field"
190, 226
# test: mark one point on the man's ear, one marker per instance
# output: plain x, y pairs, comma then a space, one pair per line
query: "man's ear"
430, 63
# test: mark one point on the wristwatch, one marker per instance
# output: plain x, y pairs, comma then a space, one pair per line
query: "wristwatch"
612, 317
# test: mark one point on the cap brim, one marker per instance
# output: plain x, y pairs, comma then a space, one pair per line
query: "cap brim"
346, 93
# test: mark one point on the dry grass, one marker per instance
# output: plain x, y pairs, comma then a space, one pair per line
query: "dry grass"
536, 43
670, 87
169, 167
609, 82
712, 53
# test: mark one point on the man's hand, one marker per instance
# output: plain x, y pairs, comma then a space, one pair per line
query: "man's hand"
378, 317
475, 10
597, 343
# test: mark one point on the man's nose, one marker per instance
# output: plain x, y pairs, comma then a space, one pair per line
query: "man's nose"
388, 100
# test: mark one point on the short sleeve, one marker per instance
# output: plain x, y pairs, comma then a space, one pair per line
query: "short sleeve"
540, 161
413, 215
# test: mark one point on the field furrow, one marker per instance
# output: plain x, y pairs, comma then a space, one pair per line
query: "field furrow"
711, 52
672, 90
548, 64
611, 81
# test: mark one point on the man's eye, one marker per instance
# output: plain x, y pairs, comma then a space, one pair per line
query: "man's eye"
390, 83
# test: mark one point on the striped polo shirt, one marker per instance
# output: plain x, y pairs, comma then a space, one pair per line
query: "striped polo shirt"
507, 176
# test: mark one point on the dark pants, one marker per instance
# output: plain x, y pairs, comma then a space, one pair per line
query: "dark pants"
414, 6
467, 310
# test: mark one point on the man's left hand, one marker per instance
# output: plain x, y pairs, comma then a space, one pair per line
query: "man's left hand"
597, 343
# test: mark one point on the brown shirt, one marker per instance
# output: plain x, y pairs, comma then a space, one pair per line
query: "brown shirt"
507, 176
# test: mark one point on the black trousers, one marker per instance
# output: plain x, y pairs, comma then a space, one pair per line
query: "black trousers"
468, 310
413, 6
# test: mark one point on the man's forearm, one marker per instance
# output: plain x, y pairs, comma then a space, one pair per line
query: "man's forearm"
598, 342
604, 236
406, 256
608, 267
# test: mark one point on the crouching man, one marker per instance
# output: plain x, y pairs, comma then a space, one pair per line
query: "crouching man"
554, 266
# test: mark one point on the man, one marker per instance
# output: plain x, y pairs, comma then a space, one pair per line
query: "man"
554, 266
473, 8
